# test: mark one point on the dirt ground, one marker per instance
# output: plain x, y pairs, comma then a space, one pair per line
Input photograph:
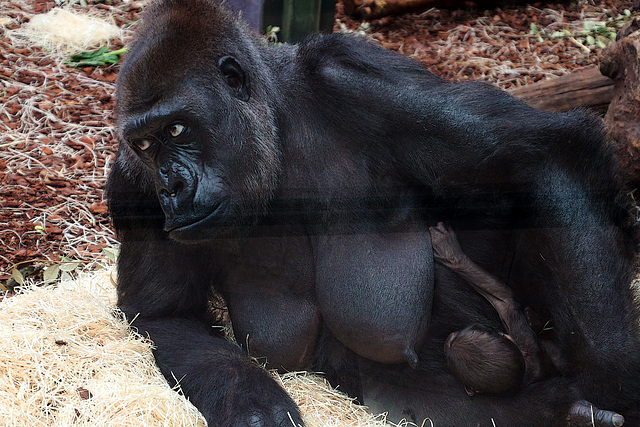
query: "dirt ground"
57, 138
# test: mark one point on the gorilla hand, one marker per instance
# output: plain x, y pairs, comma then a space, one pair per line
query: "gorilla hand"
256, 400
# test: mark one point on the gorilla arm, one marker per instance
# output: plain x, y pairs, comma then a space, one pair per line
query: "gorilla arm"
163, 288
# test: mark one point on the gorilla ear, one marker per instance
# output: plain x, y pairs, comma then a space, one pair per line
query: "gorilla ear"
235, 77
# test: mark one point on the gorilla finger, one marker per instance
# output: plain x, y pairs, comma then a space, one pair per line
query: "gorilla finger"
277, 419
286, 417
605, 418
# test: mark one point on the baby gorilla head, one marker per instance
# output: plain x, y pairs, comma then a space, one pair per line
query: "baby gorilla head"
486, 362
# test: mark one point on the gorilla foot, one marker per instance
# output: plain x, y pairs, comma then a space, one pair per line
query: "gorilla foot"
278, 417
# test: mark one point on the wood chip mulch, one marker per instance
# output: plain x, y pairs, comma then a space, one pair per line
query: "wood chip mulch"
57, 139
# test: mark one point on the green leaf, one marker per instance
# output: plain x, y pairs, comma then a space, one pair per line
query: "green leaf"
534, 29
69, 266
51, 273
96, 58
89, 54
110, 253
17, 276
627, 13
593, 25
590, 40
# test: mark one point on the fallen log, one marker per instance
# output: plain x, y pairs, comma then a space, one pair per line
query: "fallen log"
374, 9
586, 88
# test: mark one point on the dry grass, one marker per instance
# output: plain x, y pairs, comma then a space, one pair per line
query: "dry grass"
69, 359
40, 132
498, 53
66, 32
324, 406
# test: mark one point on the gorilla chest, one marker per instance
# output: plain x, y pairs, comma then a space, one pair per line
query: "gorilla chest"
373, 291
268, 286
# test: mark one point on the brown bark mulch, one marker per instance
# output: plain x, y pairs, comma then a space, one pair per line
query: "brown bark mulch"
57, 139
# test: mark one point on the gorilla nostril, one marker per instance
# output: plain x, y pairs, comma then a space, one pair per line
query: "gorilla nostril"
173, 192
177, 188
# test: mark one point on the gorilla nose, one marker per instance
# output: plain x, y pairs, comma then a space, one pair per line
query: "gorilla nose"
175, 194
175, 184
174, 197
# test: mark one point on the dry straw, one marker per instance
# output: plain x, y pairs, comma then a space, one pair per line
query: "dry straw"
65, 32
67, 358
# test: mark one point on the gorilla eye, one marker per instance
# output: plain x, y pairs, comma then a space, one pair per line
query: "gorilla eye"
142, 144
175, 130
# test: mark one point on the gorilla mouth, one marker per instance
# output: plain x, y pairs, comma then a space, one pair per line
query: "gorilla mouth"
202, 228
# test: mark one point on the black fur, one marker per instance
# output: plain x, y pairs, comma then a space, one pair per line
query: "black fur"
301, 187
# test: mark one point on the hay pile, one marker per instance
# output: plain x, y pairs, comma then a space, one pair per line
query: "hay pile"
66, 359
65, 32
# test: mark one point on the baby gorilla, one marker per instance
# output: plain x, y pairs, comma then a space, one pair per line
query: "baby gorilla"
486, 361
494, 362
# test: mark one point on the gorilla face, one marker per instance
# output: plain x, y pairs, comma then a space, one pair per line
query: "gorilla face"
203, 135
170, 144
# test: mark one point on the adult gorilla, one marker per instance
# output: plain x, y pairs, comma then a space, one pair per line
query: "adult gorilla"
300, 181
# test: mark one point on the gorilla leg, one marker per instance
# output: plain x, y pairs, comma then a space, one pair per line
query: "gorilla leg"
437, 396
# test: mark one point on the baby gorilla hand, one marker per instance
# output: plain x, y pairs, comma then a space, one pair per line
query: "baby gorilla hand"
446, 248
